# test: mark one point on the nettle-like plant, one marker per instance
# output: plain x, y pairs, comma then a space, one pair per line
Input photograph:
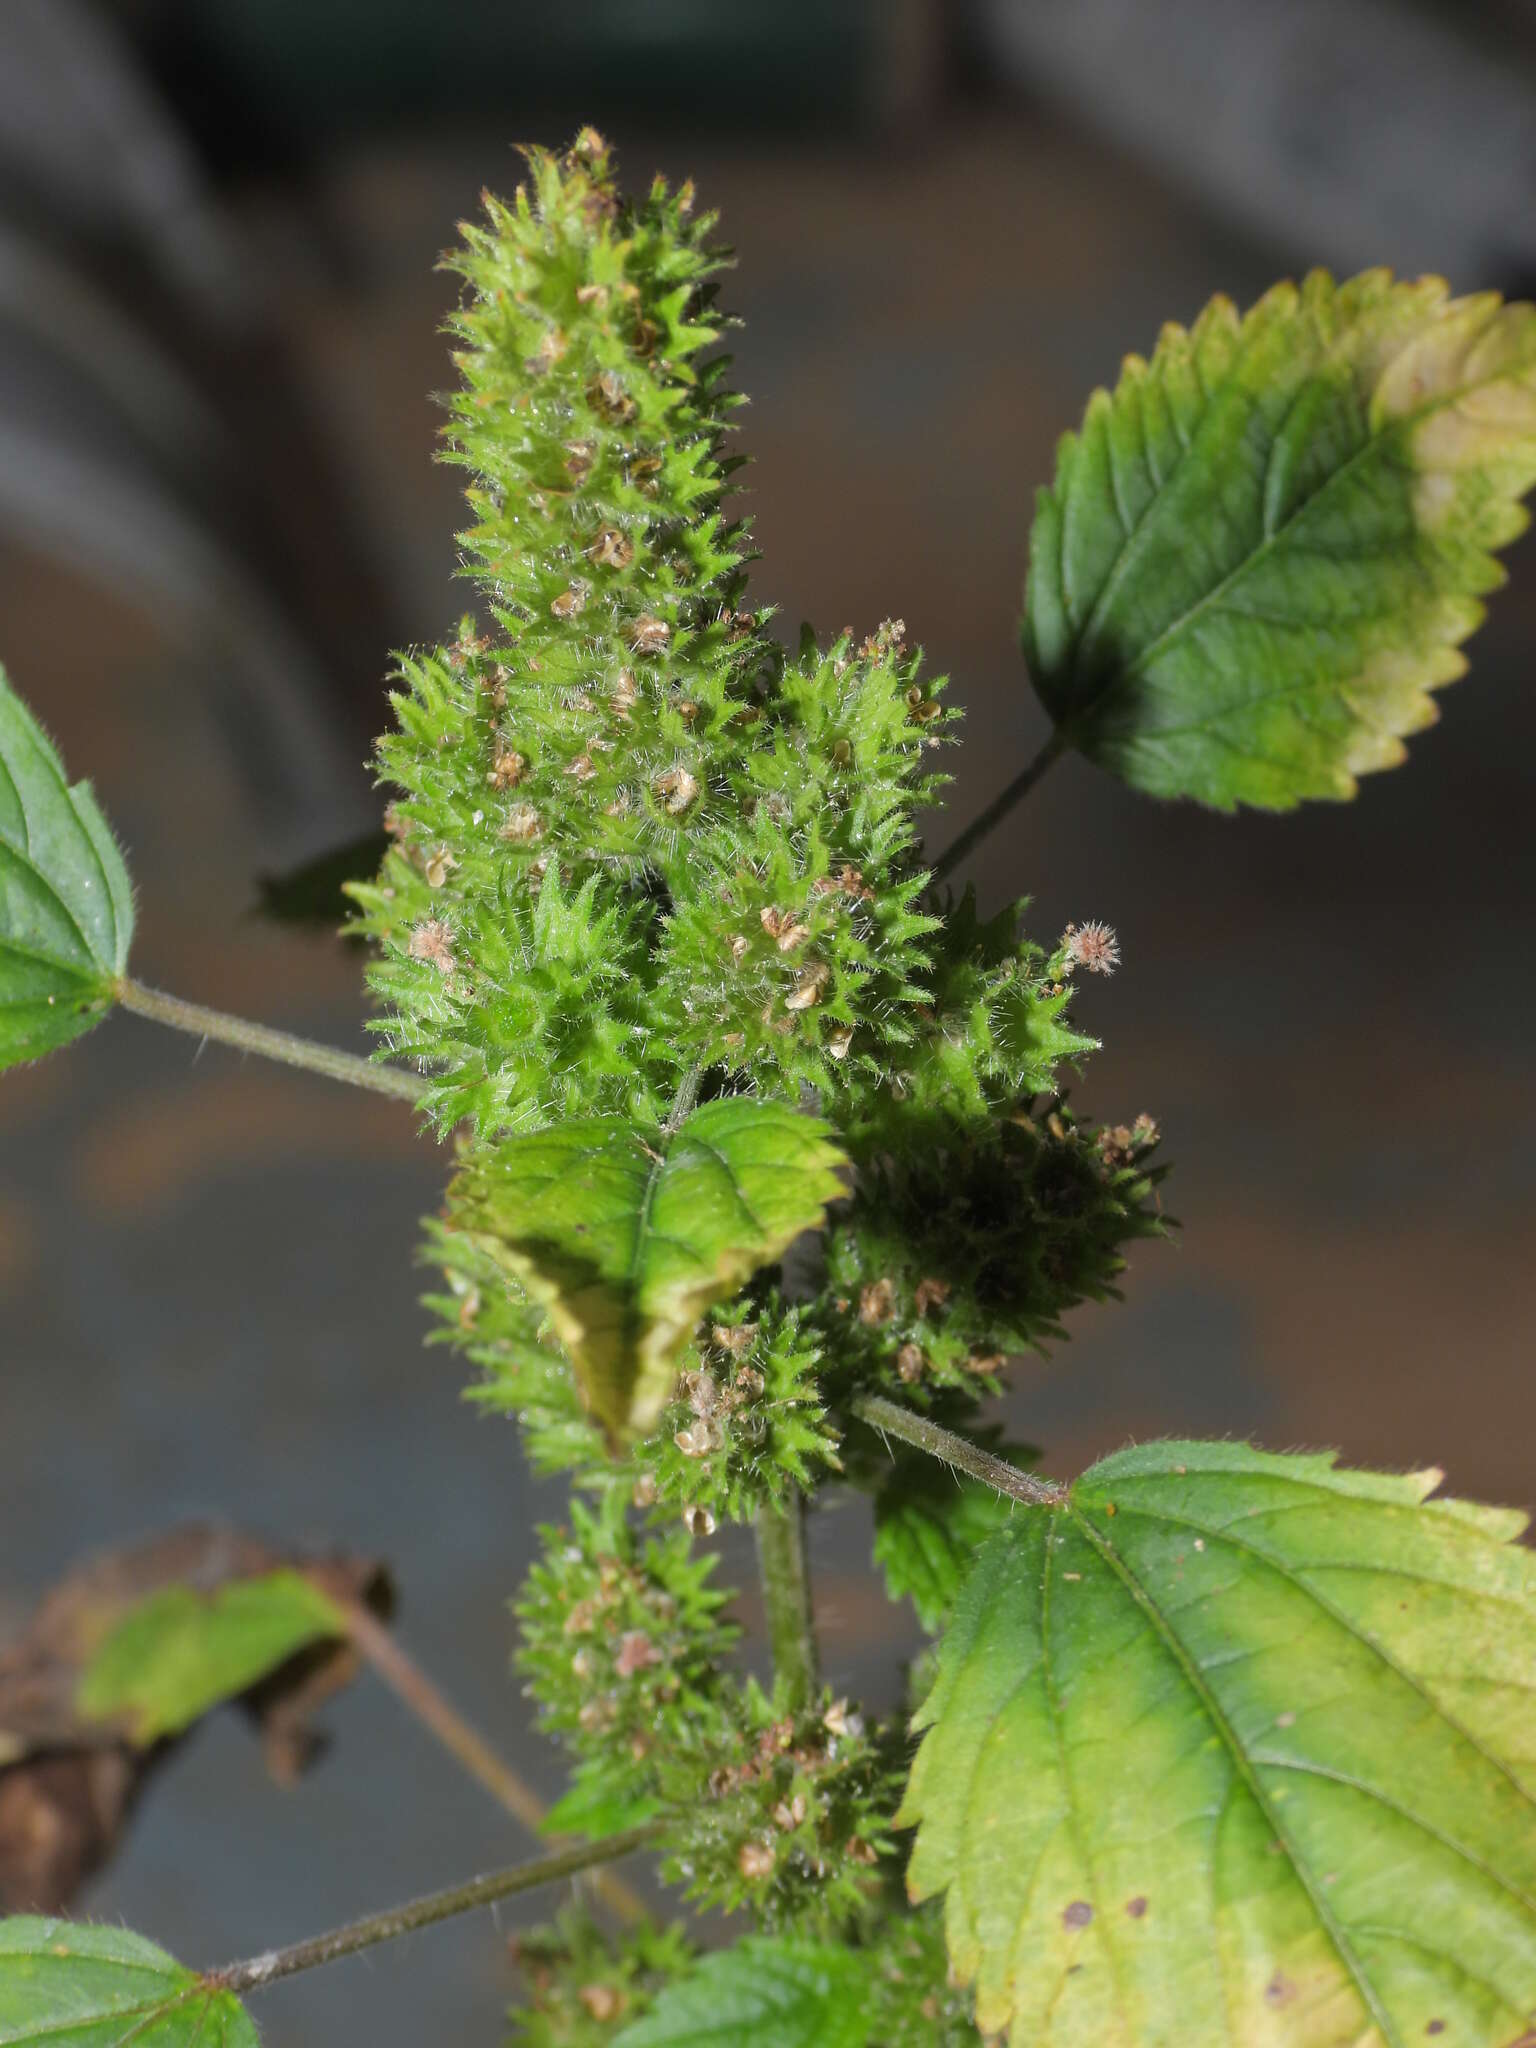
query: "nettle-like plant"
762, 1170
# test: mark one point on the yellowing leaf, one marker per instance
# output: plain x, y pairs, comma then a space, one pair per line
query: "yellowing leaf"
67, 1986
627, 1237
1235, 1751
1262, 551
66, 907
181, 1651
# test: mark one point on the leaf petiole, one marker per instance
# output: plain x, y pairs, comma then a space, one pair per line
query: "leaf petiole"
999, 808
283, 1046
258, 1971
957, 1451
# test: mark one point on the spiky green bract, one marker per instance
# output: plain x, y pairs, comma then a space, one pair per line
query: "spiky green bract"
995, 1031
796, 946
68, 1986
524, 1000
1262, 551
621, 1647
626, 1235
1233, 1747
585, 1985
967, 1242
797, 1815
911, 2000
66, 905
586, 734
485, 1314
748, 1425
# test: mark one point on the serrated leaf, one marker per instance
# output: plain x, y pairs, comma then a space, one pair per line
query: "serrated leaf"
929, 1525
1262, 550
181, 1651
70, 1986
626, 1237
66, 906
1238, 1749
761, 1994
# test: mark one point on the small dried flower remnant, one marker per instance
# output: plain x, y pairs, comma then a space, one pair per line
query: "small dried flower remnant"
1093, 947
433, 943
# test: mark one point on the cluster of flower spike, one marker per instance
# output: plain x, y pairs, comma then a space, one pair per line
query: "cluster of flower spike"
637, 843
630, 835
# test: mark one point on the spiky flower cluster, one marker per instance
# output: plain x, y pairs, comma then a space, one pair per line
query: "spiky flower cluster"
622, 1642
796, 1817
583, 1986
642, 855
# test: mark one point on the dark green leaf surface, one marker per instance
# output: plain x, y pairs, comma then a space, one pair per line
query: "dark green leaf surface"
627, 1237
181, 1652
1262, 550
315, 894
66, 907
68, 1986
1238, 1749
761, 1994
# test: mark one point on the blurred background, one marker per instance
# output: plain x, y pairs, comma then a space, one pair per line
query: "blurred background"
219, 509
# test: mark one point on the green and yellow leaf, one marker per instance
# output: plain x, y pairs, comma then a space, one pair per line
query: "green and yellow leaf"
1233, 1751
627, 1237
1264, 548
70, 1986
181, 1652
66, 906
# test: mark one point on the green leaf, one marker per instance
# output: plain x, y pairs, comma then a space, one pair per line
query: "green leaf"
66, 907
315, 893
626, 1238
1237, 1749
929, 1524
761, 1994
98, 1987
596, 1805
1262, 551
180, 1652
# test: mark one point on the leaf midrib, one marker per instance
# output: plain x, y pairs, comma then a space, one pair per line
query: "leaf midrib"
1195, 1679
1119, 677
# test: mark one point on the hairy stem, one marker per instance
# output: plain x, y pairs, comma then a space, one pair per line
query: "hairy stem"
957, 1451
786, 1583
463, 1898
272, 1045
999, 808
683, 1102
466, 1745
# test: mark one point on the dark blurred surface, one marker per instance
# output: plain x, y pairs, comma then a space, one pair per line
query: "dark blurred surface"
218, 509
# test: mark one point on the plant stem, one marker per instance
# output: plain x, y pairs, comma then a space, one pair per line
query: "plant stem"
272, 1045
999, 808
683, 1102
957, 1451
466, 1745
786, 1585
463, 1898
